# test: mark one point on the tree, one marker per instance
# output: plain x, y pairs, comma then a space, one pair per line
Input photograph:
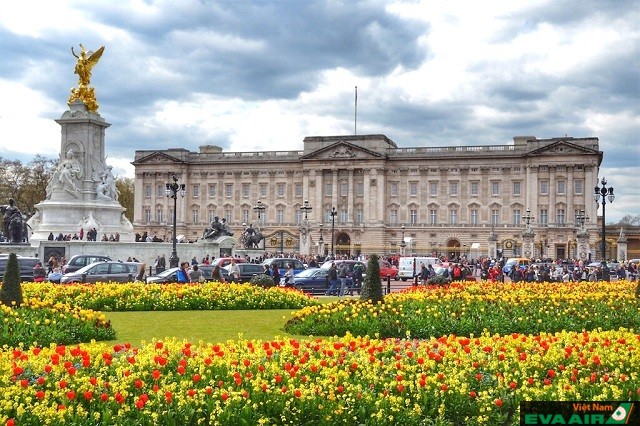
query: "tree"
11, 292
27, 185
126, 189
372, 285
629, 220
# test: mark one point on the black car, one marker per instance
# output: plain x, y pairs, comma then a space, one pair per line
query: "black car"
26, 265
81, 260
247, 271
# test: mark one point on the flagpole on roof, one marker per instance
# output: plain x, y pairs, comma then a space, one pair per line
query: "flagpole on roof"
355, 115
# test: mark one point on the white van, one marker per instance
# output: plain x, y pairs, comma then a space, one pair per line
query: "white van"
409, 267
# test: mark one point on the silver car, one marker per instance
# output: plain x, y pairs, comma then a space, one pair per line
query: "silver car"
112, 271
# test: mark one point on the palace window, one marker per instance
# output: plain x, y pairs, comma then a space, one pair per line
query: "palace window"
160, 191
393, 216
245, 215
328, 189
393, 189
413, 189
263, 189
453, 216
280, 190
195, 215
495, 216
413, 216
560, 217
359, 216
433, 216
213, 188
474, 188
228, 190
228, 215
344, 189
280, 216
578, 186
147, 191
344, 216
473, 216
246, 190
453, 188
433, 189
298, 189
147, 214
196, 191
517, 216
544, 187
517, 188
495, 187
159, 215
561, 187
360, 189
544, 217
298, 216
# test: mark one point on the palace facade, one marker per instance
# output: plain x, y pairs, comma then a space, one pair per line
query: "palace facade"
367, 195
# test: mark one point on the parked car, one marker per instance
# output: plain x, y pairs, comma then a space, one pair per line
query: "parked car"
247, 271
111, 271
226, 261
388, 270
167, 276
81, 260
311, 280
26, 265
283, 264
206, 272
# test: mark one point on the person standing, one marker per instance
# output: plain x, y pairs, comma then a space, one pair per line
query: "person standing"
161, 264
357, 279
195, 275
332, 275
234, 271
288, 276
275, 273
343, 274
183, 273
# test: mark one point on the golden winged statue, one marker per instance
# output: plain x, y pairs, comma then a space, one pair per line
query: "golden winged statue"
86, 61
84, 65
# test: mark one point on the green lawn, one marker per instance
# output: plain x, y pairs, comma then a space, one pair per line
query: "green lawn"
209, 326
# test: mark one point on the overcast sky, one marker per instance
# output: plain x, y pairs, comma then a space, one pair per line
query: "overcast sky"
262, 75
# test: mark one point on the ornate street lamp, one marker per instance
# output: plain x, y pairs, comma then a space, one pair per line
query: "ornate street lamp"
320, 240
306, 208
528, 218
172, 190
402, 243
259, 208
600, 195
333, 214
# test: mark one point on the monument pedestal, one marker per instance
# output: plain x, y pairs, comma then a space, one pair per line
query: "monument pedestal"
58, 217
81, 193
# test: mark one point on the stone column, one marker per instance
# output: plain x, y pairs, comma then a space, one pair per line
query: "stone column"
528, 243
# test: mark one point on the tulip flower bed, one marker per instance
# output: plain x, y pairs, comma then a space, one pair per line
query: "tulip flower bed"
43, 322
349, 380
470, 309
169, 297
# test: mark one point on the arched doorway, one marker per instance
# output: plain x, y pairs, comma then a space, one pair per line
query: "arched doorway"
343, 244
453, 249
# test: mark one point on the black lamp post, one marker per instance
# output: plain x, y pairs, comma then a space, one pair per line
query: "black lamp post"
600, 195
333, 214
528, 218
306, 208
402, 243
172, 190
320, 240
259, 208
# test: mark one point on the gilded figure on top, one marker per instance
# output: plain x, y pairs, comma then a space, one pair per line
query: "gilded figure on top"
86, 61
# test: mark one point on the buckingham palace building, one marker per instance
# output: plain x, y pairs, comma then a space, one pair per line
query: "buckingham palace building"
362, 194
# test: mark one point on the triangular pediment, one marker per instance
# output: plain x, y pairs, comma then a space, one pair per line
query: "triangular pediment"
156, 158
342, 150
562, 147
